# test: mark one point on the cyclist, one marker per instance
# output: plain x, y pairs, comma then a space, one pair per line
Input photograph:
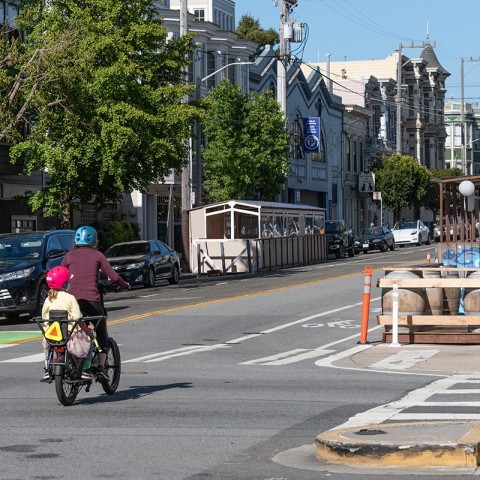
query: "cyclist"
85, 262
58, 299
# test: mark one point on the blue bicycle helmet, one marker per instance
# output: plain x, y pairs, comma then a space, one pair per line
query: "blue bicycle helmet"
86, 236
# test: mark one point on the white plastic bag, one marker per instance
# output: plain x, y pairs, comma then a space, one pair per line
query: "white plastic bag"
79, 344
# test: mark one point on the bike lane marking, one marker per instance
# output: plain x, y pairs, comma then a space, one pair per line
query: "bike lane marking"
286, 358
302, 355
36, 357
13, 336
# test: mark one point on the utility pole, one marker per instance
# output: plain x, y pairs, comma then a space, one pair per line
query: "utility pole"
399, 100
186, 187
282, 62
463, 127
283, 58
463, 153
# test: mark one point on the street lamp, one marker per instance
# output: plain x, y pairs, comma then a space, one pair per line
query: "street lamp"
198, 140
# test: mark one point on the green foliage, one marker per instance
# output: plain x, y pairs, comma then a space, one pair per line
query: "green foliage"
247, 145
98, 89
116, 231
249, 28
432, 196
402, 181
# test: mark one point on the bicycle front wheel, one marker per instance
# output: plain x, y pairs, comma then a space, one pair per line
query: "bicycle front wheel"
113, 366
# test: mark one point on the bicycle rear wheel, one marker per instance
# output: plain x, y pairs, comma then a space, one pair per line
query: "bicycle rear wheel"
66, 392
113, 366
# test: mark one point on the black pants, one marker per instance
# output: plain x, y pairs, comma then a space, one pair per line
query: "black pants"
95, 309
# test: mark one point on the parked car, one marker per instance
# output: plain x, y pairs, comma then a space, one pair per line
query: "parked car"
25, 258
143, 262
375, 238
455, 224
411, 232
339, 239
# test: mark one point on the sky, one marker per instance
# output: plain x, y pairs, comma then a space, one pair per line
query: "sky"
372, 29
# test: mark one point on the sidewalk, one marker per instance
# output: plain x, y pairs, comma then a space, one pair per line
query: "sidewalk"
411, 444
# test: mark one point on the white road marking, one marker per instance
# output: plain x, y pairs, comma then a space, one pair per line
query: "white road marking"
207, 348
417, 398
404, 359
437, 416
160, 356
292, 356
178, 352
326, 362
37, 357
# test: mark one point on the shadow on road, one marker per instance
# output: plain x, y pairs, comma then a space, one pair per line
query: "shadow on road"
133, 393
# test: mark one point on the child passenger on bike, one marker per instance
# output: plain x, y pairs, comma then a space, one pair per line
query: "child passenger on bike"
58, 299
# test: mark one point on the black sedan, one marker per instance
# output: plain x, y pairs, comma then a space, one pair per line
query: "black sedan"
143, 262
375, 238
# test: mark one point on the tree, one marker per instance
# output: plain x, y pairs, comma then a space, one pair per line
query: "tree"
402, 181
94, 98
249, 28
247, 144
432, 196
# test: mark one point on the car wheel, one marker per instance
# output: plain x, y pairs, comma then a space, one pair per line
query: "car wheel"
365, 252
351, 252
173, 280
428, 240
341, 252
419, 241
384, 247
41, 297
150, 282
392, 247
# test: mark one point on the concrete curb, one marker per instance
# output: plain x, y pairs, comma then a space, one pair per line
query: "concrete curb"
420, 444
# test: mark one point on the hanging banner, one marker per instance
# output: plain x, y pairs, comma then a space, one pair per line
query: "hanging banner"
311, 132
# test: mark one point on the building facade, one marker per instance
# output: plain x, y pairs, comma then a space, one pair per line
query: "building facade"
462, 145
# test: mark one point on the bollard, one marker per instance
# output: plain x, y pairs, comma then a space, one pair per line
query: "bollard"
395, 317
367, 287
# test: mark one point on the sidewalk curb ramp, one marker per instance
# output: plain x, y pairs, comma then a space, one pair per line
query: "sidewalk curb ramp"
418, 444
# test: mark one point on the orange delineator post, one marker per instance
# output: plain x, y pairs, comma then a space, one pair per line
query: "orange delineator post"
367, 287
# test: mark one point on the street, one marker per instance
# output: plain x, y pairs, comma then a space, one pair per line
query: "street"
222, 378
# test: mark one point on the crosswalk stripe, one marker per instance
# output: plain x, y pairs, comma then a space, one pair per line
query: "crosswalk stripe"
435, 416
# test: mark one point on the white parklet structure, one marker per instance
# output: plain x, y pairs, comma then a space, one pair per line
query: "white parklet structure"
248, 235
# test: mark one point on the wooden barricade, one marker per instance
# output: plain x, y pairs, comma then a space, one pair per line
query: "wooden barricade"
457, 322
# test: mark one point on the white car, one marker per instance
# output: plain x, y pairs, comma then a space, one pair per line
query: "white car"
411, 232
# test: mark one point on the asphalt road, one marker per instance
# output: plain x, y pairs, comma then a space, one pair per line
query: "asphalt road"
219, 381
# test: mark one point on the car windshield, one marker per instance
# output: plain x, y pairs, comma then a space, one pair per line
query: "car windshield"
405, 225
332, 227
127, 250
20, 247
372, 231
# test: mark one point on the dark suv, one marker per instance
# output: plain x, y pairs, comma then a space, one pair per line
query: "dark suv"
339, 239
25, 258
